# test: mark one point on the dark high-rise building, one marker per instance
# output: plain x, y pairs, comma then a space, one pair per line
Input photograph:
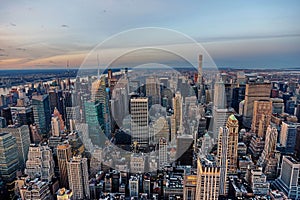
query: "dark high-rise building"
184, 153
2, 122
297, 145
298, 112
53, 100
286, 97
23, 115
6, 113
290, 107
21, 133
61, 104
41, 112
238, 95
64, 154
9, 162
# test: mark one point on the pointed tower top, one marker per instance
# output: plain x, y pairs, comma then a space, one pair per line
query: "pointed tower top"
232, 117
98, 75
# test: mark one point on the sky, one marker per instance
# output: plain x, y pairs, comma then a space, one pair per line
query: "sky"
243, 34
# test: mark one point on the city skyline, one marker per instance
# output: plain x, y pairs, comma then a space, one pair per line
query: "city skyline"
166, 100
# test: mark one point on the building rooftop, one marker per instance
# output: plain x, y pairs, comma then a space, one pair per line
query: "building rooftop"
232, 117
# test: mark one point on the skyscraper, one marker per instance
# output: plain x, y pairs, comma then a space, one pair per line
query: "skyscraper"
208, 180
139, 121
92, 118
21, 133
178, 111
222, 160
40, 162
227, 151
23, 115
153, 90
189, 187
184, 151
200, 73
219, 95
64, 154
73, 113
100, 94
220, 117
78, 177
53, 100
262, 111
60, 118
220, 112
55, 126
41, 112
162, 152
270, 145
288, 180
255, 91
8, 159
233, 133
6, 113
288, 135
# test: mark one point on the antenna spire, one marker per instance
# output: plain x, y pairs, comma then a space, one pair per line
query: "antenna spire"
98, 75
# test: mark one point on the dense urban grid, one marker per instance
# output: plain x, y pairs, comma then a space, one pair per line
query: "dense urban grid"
151, 134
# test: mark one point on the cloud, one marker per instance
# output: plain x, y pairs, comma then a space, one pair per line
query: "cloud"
246, 37
21, 49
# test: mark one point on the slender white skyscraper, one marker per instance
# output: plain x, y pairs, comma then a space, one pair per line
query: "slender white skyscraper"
200, 73
201, 96
177, 106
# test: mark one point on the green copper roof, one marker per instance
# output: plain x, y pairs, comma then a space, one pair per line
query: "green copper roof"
232, 117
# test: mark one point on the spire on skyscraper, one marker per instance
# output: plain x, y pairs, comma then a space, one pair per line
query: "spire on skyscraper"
98, 74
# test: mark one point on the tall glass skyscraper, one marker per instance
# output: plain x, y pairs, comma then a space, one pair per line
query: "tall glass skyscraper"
94, 119
100, 94
41, 112
9, 161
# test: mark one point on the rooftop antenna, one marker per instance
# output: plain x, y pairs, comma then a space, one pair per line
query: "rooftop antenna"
68, 70
98, 75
